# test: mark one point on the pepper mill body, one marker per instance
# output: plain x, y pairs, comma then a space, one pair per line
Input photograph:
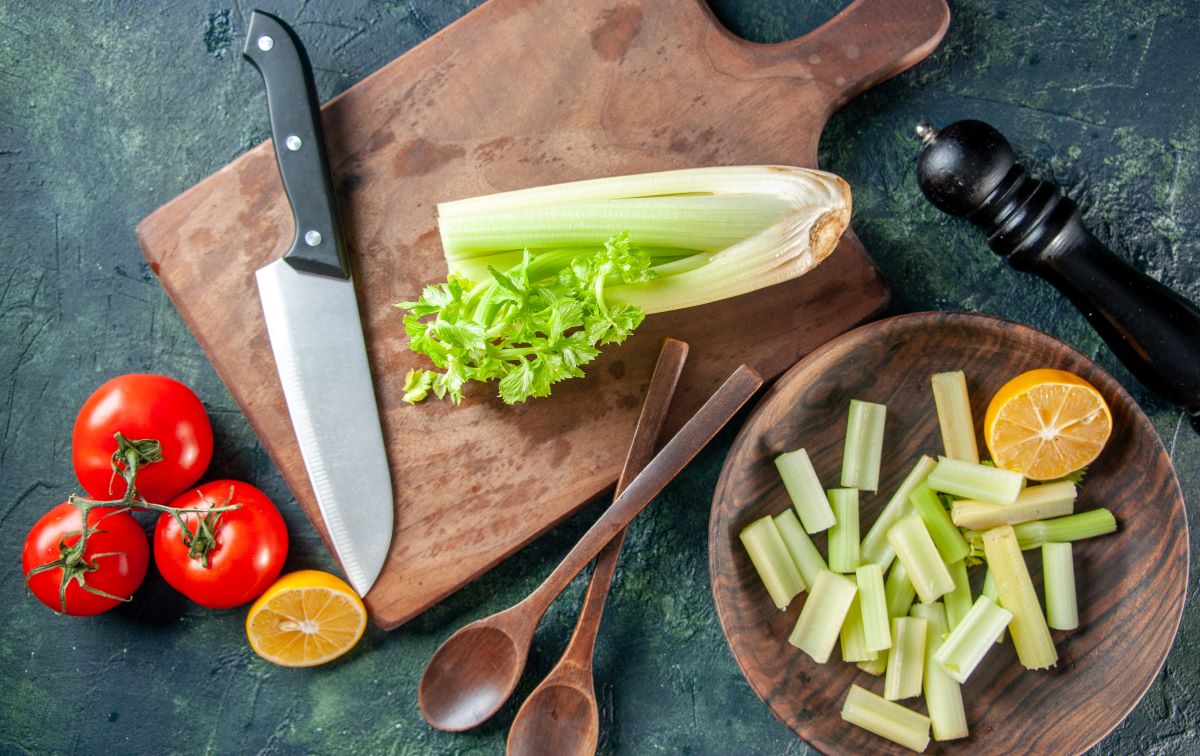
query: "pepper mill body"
969, 170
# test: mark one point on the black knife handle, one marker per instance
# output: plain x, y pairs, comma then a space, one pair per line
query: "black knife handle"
968, 169
295, 113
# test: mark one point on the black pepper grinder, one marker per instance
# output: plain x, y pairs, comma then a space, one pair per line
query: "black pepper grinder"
968, 170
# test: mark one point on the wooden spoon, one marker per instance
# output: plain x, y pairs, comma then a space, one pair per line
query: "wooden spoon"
561, 717
476, 669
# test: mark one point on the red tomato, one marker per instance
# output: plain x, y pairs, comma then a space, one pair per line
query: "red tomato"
245, 554
141, 407
114, 559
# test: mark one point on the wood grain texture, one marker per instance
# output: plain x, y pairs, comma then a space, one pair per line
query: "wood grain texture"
1131, 584
610, 88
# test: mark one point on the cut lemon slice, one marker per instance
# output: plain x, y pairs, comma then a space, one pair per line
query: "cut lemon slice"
306, 618
1046, 424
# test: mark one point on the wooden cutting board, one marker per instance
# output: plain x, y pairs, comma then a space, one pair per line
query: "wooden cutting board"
520, 93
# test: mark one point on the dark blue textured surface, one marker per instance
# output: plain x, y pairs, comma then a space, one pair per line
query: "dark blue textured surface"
109, 109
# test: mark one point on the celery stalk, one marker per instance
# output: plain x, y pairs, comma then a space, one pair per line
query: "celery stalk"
872, 599
1076, 527
886, 719
946, 537
1031, 636
989, 590
1033, 503
800, 546
943, 696
864, 445
954, 416
823, 614
877, 666
898, 590
772, 561
967, 644
805, 491
970, 481
843, 536
875, 546
906, 659
1058, 576
915, 550
854, 635
958, 601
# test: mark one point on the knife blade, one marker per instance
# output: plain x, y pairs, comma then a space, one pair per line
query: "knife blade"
313, 320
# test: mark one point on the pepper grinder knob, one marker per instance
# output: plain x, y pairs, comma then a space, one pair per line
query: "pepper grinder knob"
969, 170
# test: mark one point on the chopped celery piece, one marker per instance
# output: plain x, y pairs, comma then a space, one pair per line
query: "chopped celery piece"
872, 600
915, 550
898, 590
886, 719
772, 562
800, 546
958, 478
967, 644
864, 445
877, 666
821, 619
946, 537
1031, 636
1034, 503
843, 536
1076, 527
875, 546
958, 601
906, 659
854, 636
943, 696
954, 416
989, 590
1058, 577
804, 489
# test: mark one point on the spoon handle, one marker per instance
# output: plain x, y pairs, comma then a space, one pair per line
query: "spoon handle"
681, 449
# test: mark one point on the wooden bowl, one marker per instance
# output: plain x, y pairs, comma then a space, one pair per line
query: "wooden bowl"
1131, 584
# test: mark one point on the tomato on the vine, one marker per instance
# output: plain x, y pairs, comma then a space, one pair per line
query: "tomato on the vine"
141, 406
223, 558
111, 564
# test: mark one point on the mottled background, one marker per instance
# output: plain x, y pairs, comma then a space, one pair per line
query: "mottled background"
108, 109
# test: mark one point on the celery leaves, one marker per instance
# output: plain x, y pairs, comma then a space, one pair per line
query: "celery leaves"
528, 327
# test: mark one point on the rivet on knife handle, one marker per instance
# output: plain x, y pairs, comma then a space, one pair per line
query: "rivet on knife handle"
968, 170
295, 114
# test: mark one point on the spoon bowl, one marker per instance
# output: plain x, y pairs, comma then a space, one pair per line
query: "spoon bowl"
566, 722
471, 675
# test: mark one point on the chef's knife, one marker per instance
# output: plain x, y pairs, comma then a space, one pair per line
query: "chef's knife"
313, 321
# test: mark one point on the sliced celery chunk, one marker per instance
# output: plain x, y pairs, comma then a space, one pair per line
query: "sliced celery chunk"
800, 546
1058, 577
1031, 636
954, 416
821, 619
805, 490
875, 546
958, 478
898, 590
967, 644
1033, 503
906, 659
886, 719
843, 536
864, 445
946, 537
943, 696
915, 550
854, 636
872, 600
958, 601
1076, 527
772, 562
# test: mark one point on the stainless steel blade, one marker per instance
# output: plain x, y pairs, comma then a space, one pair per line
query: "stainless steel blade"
317, 339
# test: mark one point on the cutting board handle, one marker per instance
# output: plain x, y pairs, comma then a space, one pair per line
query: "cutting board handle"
868, 42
